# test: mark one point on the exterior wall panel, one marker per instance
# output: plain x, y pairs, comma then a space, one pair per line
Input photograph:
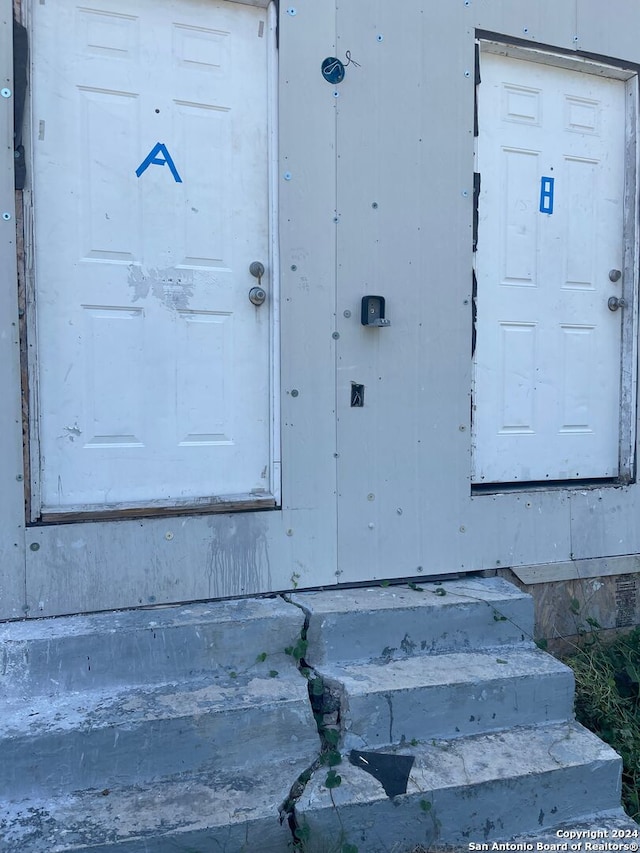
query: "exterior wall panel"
518, 529
612, 34
551, 22
307, 191
405, 169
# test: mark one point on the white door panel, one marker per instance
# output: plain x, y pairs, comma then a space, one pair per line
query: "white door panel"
551, 152
151, 188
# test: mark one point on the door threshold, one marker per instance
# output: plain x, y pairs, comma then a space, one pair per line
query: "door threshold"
545, 485
154, 509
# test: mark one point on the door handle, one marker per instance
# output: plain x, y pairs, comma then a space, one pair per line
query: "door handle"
613, 303
257, 295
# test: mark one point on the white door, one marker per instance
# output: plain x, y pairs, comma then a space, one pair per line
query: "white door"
551, 155
151, 200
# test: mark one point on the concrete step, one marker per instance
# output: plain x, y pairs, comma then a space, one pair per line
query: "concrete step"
396, 622
233, 812
103, 738
449, 695
472, 789
71, 653
606, 828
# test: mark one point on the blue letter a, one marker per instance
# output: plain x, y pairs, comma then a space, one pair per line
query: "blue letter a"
165, 160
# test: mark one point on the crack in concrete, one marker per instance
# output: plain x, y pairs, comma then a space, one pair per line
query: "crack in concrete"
387, 696
287, 808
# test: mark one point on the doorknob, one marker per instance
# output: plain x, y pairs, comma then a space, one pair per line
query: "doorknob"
613, 303
257, 295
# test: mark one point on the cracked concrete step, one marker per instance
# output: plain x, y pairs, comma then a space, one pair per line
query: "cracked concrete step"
70, 653
102, 738
395, 622
234, 812
471, 789
447, 695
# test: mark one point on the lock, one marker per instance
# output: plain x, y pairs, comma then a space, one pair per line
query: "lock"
372, 311
257, 295
256, 268
613, 303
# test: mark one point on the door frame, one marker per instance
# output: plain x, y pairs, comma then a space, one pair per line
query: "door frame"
29, 337
628, 423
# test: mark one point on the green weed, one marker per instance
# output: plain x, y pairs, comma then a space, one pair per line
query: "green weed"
608, 701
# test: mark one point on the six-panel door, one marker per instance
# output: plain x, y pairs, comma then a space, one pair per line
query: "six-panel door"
151, 187
551, 155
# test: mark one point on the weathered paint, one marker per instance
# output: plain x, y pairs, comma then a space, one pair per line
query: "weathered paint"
376, 197
170, 286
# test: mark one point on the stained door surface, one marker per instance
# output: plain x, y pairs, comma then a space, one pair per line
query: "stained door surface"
151, 201
551, 154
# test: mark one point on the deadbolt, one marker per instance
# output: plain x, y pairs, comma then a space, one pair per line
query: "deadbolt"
256, 269
615, 275
613, 303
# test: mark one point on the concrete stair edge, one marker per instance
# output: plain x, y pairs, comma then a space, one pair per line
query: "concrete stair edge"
476, 788
99, 744
453, 695
67, 653
238, 812
390, 622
